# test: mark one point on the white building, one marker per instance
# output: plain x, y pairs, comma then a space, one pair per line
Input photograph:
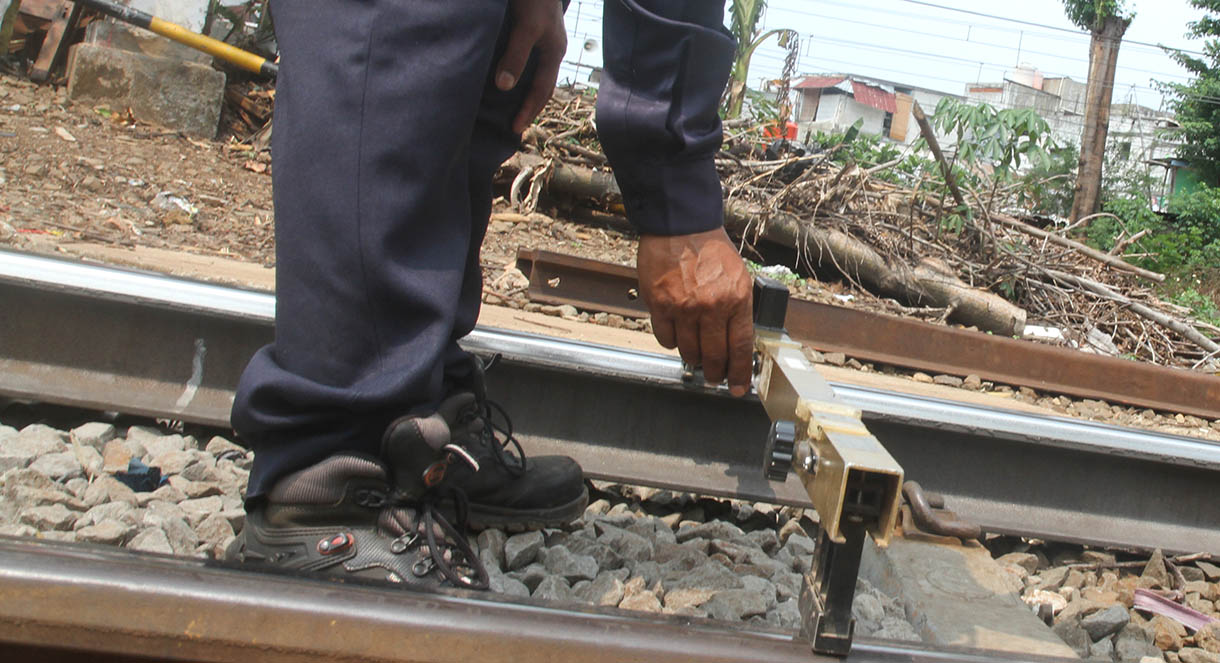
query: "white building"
832, 103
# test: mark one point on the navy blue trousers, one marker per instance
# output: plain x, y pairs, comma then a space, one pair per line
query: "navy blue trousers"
388, 130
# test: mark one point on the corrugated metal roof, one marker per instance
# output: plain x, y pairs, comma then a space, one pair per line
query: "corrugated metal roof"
871, 95
818, 82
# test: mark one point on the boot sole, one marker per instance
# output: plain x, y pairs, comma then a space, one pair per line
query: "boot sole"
523, 520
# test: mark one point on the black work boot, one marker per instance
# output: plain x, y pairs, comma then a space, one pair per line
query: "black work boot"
341, 517
461, 456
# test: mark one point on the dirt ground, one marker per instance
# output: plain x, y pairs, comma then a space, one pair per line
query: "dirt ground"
92, 182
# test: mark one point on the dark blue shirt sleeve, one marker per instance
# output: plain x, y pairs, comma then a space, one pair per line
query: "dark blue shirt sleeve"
665, 66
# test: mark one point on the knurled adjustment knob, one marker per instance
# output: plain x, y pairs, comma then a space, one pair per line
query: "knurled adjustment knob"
781, 443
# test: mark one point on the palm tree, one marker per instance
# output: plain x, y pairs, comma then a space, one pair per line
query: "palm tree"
744, 26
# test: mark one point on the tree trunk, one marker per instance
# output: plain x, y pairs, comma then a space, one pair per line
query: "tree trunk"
1103, 59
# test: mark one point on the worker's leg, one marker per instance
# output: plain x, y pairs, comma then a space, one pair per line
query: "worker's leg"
376, 105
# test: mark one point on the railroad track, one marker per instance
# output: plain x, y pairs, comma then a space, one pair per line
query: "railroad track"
147, 344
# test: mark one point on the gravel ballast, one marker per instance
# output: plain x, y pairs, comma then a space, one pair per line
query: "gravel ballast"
636, 548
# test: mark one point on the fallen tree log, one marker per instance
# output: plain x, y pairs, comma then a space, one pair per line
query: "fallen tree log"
922, 285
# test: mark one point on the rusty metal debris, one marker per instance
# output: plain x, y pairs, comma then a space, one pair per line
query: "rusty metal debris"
560, 279
928, 514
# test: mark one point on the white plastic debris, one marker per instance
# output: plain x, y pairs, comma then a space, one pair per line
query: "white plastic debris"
777, 272
1040, 333
168, 201
844, 298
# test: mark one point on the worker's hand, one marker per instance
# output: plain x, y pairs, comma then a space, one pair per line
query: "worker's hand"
699, 293
537, 24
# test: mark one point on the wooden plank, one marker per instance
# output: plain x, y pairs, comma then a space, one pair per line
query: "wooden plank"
55, 45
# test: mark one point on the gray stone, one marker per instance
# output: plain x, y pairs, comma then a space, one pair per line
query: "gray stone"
605, 589
7, 433
178, 532
735, 605
785, 615
1211, 571
491, 541
194, 489
800, 545
1074, 636
503, 584
1105, 622
1025, 560
202, 472
649, 570
54, 517
25, 477
151, 539
155, 444
58, 466
787, 585
172, 461
215, 529
94, 435
90, 460
763, 588
716, 529
1196, 655
25, 496
110, 532
684, 555
120, 511
17, 529
198, 509
560, 561
766, 540
653, 529
108, 489
1102, 650
553, 588
894, 628
163, 493
597, 508
77, 487
1192, 574
1155, 571
627, 544
709, 575
1133, 643
1052, 579
521, 550
218, 445
41, 439
604, 555
57, 536
236, 518
530, 576
676, 599
180, 95
868, 611
640, 599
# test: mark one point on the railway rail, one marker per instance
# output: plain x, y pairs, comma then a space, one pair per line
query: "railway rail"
147, 344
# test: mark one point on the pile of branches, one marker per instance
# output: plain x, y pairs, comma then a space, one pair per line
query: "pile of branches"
901, 240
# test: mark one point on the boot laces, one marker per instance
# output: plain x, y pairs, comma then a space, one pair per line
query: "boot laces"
449, 551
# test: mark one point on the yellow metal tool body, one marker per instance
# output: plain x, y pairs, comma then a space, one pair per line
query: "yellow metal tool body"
853, 482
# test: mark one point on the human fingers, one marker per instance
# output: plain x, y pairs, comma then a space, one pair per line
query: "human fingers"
550, 54
713, 339
741, 350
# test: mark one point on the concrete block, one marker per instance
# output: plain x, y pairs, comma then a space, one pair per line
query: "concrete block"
138, 40
178, 95
958, 595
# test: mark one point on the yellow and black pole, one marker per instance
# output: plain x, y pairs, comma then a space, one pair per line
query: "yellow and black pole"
214, 47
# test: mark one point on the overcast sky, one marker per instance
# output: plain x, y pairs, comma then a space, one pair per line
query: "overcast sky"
910, 42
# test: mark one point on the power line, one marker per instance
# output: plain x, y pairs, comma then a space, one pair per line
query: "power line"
1038, 25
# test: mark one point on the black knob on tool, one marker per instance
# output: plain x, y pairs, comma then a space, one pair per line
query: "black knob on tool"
777, 457
770, 303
